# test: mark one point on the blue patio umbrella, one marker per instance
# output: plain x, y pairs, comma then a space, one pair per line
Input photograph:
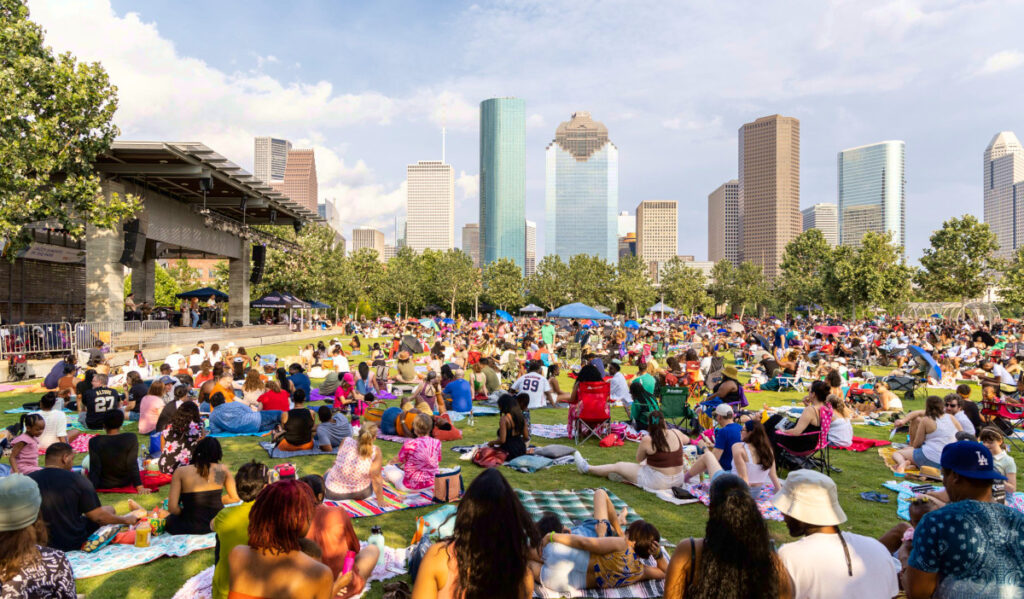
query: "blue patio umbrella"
632, 324
578, 310
428, 323
447, 321
934, 371
503, 315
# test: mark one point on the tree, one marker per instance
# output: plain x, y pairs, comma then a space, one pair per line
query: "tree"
401, 281
221, 276
55, 120
841, 288
750, 287
185, 276
366, 273
960, 264
314, 272
723, 283
632, 285
456, 279
549, 285
1011, 287
591, 279
165, 288
683, 287
503, 283
803, 262
883, 272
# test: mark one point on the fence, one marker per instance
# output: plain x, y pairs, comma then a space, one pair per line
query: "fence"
53, 339
40, 340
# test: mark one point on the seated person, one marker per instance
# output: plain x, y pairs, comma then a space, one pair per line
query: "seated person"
25, 447
365, 383
71, 508
931, 430
659, 459
56, 423
299, 379
753, 459
458, 394
114, 457
513, 428
840, 431
356, 472
407, 374
238, 418
330, 384
232, 523
297, 426
59, 370
150, 406
97, 402
420, 459
429, 391
199, 491
334, 428
816, 411
178, 441
597, 553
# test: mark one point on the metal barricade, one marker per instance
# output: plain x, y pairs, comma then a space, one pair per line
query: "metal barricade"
116, 335
36, 341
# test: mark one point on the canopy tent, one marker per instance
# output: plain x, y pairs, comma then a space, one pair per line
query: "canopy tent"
503, 315
204, 293
532, 308
577, 310
317, 305
661, 307
279, 300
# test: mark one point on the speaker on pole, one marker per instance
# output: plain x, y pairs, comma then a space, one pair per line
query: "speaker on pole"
134, 243
259, 255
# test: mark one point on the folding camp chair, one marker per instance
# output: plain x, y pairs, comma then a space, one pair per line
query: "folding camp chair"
818, 457
676, 409
1007, 415
908, 385
593, 411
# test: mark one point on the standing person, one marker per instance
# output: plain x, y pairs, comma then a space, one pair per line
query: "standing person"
827, 563
97, 402
232, 523
27, 567
533, 384
971, 547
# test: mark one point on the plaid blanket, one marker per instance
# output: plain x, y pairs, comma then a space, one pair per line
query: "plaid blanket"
764, 499
394, 501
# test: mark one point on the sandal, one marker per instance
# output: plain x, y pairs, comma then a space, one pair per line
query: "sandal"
873, 496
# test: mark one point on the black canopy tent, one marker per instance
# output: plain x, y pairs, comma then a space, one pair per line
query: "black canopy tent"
204, 293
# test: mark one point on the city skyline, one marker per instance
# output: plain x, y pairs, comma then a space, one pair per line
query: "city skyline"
502, 180
872, 192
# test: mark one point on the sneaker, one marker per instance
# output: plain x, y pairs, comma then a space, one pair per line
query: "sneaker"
581, 462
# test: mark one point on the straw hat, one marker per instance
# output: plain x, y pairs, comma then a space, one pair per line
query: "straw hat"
810, 497
731, 372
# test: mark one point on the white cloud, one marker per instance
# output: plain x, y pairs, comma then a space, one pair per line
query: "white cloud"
1002, 61
469, 185
535, 121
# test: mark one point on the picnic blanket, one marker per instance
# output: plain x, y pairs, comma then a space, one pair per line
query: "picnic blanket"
26, 411
477, 411
5, 388
570, 505
909, 471
391, 564
905, 492
645, 589
549, 431
121, 557
864, 444
764, 499
80, 444
151, 480
391, 438
394, 501
279, 454
229, 435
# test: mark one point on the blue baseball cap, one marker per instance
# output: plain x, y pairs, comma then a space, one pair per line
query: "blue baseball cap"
970, 459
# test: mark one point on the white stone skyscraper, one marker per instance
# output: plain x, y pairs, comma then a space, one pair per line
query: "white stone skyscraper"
724, 223
531, 248
430, 208
270, 155
825, 218
872, 192
1004, 192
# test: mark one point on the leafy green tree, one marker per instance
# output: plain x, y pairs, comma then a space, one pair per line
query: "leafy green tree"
549, 286
221, 276
56, 118
185, 276
1011, 287
632, 285
314, 272
841, 288
402, 281
883, 272
455, 278
366, 273
591, 280
750, 287
503, 283
165, 288
961, 262
802, 267
723, 283
683, 287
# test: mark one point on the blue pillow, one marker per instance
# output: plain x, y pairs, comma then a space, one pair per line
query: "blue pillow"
529, 463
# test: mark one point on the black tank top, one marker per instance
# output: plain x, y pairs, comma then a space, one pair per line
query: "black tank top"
299, 428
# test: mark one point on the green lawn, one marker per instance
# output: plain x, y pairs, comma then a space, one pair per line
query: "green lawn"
861, 472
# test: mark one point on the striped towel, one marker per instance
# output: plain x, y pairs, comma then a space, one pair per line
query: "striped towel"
645, 589
394, 501
391, 438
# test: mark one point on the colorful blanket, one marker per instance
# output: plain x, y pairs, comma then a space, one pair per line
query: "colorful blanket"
121, 557
26, 411
394, 501
549, 431
864, 444
150, 480
229, 435
80, 444
764, 499
905, 493
279, 454
644, 590
391, 438
570, 505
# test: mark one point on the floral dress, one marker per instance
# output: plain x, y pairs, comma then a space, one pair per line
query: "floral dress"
178, 447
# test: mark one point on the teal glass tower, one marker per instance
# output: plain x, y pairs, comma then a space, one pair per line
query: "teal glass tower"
503, 180
872, 192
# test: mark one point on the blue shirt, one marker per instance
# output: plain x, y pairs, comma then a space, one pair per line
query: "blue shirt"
301, 381
976, 548
780, 338
461, 395
234, 417
725, 438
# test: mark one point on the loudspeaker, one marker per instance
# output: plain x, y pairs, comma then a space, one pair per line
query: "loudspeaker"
134, 243
259, 255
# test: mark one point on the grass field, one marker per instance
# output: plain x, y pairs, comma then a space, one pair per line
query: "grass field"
860, 472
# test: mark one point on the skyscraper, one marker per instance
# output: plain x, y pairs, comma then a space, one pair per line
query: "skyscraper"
502, 180
531, 248
269, 158
299, 182
657, 232
430, 207
724, 223
471, 242
365, 237
1004, 192
825, 218
582, 190
872, 194
769, 189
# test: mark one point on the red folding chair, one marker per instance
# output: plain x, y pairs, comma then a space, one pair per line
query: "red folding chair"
1007, 415
593, 412
820, 450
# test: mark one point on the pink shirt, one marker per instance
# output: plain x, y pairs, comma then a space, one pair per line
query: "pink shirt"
149, 413
421, 458
28, 459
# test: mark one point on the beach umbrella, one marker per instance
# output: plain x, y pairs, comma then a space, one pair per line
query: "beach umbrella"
985, 337
578, 310
447, 321
478, 325
632, 324
661, 307
503, 315
430, 324
934, 371
830, 329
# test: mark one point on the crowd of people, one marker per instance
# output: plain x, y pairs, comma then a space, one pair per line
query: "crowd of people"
277, 537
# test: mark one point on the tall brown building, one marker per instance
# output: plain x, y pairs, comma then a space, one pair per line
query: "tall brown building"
300, 179
769, 189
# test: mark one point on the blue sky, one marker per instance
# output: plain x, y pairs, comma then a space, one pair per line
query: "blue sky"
369, 85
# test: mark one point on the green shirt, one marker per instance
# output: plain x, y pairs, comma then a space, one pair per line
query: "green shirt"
492, 381
547, 333
232, 527
648, 382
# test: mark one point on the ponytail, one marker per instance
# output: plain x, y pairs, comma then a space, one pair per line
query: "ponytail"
366, 436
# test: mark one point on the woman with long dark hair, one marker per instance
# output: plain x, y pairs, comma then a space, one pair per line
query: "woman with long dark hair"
488, 555
659, 459
180, 438
735, 558
752, 459
513, 433
816, 413
197, 490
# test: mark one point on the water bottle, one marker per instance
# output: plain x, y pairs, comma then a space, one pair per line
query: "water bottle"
377, 540
470, 420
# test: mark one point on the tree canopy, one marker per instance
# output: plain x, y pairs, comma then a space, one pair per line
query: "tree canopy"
960, 263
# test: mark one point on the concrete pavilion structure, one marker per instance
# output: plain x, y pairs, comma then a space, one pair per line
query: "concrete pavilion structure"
195, 204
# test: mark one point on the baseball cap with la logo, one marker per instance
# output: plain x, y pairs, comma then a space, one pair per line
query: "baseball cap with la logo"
970, 459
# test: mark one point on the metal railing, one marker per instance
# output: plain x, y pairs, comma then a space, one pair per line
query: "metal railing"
39, 340
122, 335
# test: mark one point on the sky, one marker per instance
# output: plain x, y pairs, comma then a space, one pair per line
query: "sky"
369, 86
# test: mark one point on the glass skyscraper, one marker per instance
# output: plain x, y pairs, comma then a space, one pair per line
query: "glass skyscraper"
503, 180
872, 192
582, 191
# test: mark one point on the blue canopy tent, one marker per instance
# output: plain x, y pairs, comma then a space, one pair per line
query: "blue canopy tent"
577, 310
204, 293
533, 308
662, 308
279, 300
932, 367
503, 315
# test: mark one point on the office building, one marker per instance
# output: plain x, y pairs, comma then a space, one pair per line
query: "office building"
390, 252
502, 180
724, 223
530, 264
657, 232
299, 183
872, 195
627, 224
471, 242
627, 243
769, 189
365, 237
1004, 192
270, 155
430, 206
825, 218
581, 190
